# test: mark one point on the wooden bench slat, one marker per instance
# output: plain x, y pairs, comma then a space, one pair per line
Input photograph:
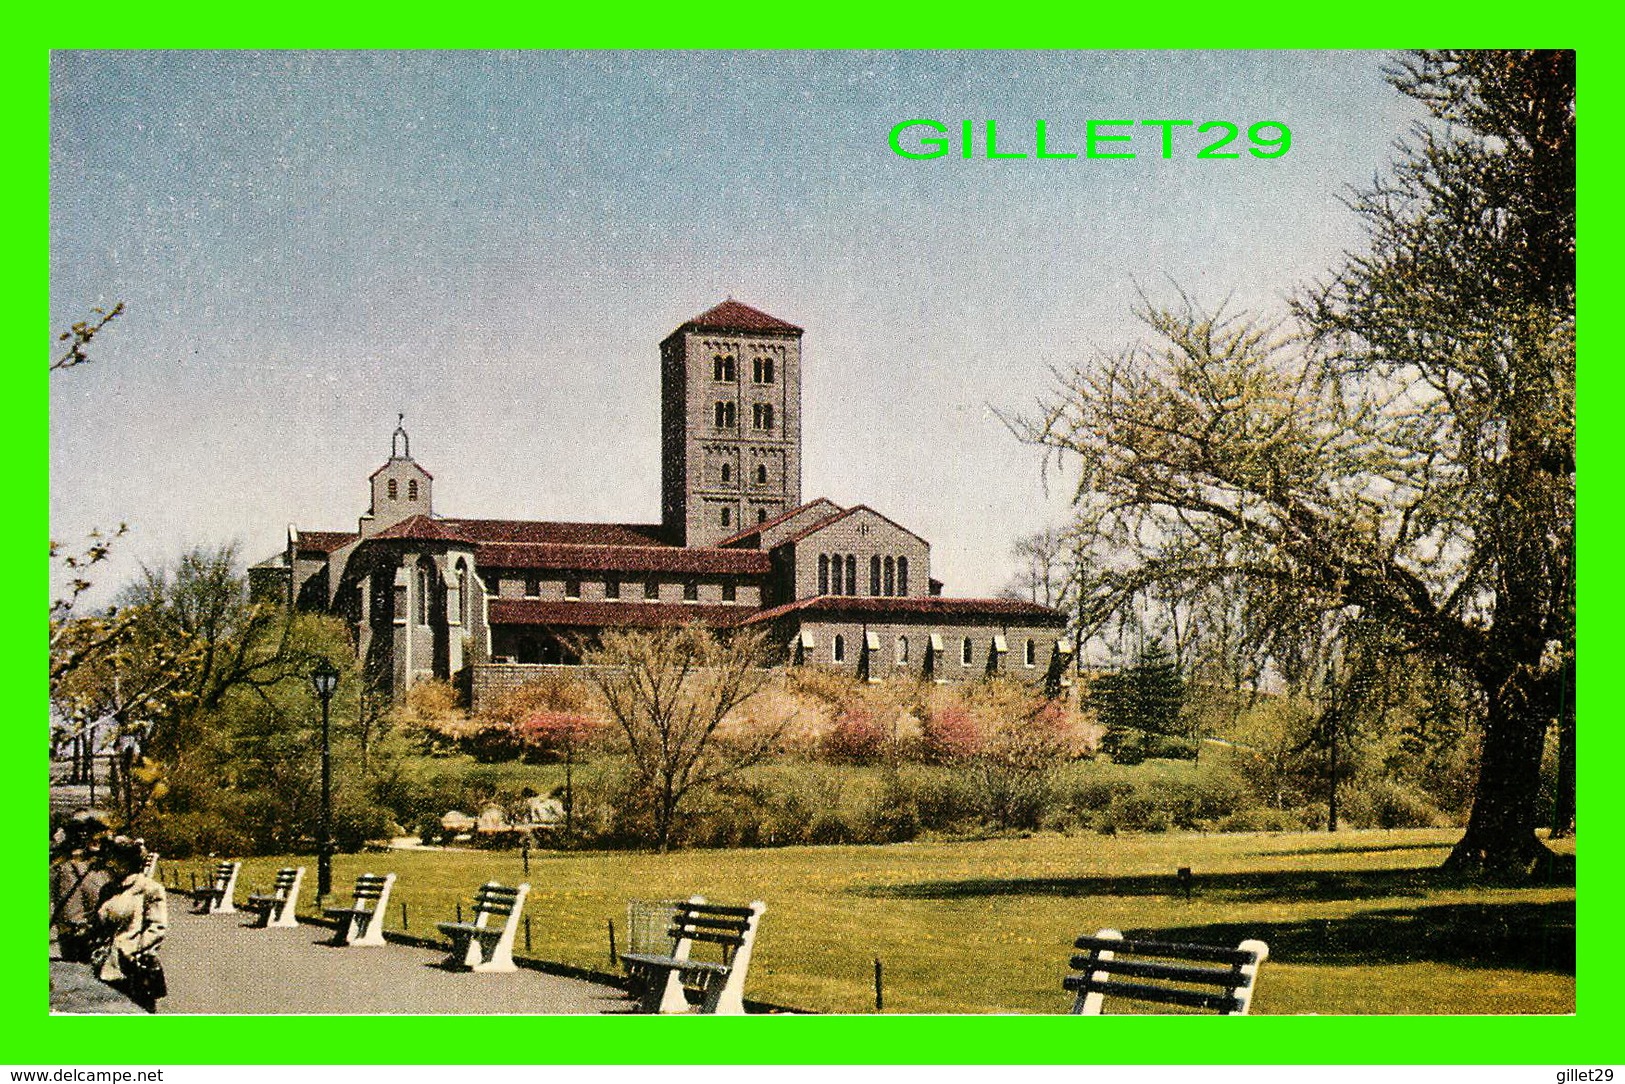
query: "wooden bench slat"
707, 936
1212, 976
708, 922
1167, 950
483, 932
1166, 995
675, 964
714, 909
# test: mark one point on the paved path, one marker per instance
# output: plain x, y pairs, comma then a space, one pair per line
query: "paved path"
216, 965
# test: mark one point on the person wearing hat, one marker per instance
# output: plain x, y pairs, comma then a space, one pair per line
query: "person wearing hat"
132, 923
78, 883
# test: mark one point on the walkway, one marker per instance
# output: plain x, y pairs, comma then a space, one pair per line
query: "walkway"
216, 964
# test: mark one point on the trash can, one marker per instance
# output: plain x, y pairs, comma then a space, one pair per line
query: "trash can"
648, 925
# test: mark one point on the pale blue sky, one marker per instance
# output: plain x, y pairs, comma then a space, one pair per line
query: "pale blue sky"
494, 244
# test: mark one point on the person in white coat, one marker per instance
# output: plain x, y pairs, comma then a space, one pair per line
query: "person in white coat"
133, 921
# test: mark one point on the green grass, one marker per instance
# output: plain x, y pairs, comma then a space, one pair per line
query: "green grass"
1358, 922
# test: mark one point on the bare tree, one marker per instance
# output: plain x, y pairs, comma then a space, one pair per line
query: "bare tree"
672, 691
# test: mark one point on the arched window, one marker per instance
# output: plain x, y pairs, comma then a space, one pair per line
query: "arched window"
722, 368
727, 516
394, 490
462, 593
761, 474
966, 651
423, 594
412, 490
761, 515
1032, 653
838, 650
724, 415
767, 415
891, 576
874, 575
823, 573
727, 473
851, 574
902, 576
762, 370
902, 650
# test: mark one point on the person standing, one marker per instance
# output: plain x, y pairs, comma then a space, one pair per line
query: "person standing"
132, 921
78, 883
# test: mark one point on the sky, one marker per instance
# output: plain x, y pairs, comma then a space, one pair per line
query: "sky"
493, 244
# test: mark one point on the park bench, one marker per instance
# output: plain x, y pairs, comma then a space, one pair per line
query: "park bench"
482, 945
1207, 977
277, 909
216, 898
362, 923
722, 981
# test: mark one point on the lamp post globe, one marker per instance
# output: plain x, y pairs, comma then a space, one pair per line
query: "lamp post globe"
324, 679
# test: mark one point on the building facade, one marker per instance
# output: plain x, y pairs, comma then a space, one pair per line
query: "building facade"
487, 602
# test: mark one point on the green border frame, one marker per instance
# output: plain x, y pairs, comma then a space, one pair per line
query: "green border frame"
1589, 1037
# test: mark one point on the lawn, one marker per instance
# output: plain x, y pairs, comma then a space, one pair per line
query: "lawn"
1357, 922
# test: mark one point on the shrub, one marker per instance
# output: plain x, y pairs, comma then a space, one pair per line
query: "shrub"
889, 815
1262, 819
855, 738
1385, 804
949, 735
942, 799
1132, 813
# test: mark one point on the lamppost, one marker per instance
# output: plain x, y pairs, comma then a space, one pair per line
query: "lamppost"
324, 679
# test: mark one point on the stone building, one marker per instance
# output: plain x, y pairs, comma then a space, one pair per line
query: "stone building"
488, 602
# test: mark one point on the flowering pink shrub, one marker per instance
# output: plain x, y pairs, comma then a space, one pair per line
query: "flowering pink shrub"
856, 738
950, 734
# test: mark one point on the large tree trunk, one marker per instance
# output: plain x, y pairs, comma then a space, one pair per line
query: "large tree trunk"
1563, 810
1500, 839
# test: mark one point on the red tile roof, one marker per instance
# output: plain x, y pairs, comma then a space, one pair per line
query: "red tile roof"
1002, 609
400, 459
542, 531
737, 562
526, 532
422, 528
513, 611
734, 315
821, 524
768, 525
323, 541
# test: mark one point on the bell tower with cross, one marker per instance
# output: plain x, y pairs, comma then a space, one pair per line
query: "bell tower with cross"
400, 488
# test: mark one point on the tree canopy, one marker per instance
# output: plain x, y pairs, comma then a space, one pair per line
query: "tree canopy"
1400, 450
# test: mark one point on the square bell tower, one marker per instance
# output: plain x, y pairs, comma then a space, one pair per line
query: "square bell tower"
730, 423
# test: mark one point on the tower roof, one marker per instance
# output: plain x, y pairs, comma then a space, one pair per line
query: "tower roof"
734, 315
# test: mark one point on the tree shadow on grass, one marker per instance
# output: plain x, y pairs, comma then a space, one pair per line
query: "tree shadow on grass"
1275, 885
1520, 936
1376, 848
